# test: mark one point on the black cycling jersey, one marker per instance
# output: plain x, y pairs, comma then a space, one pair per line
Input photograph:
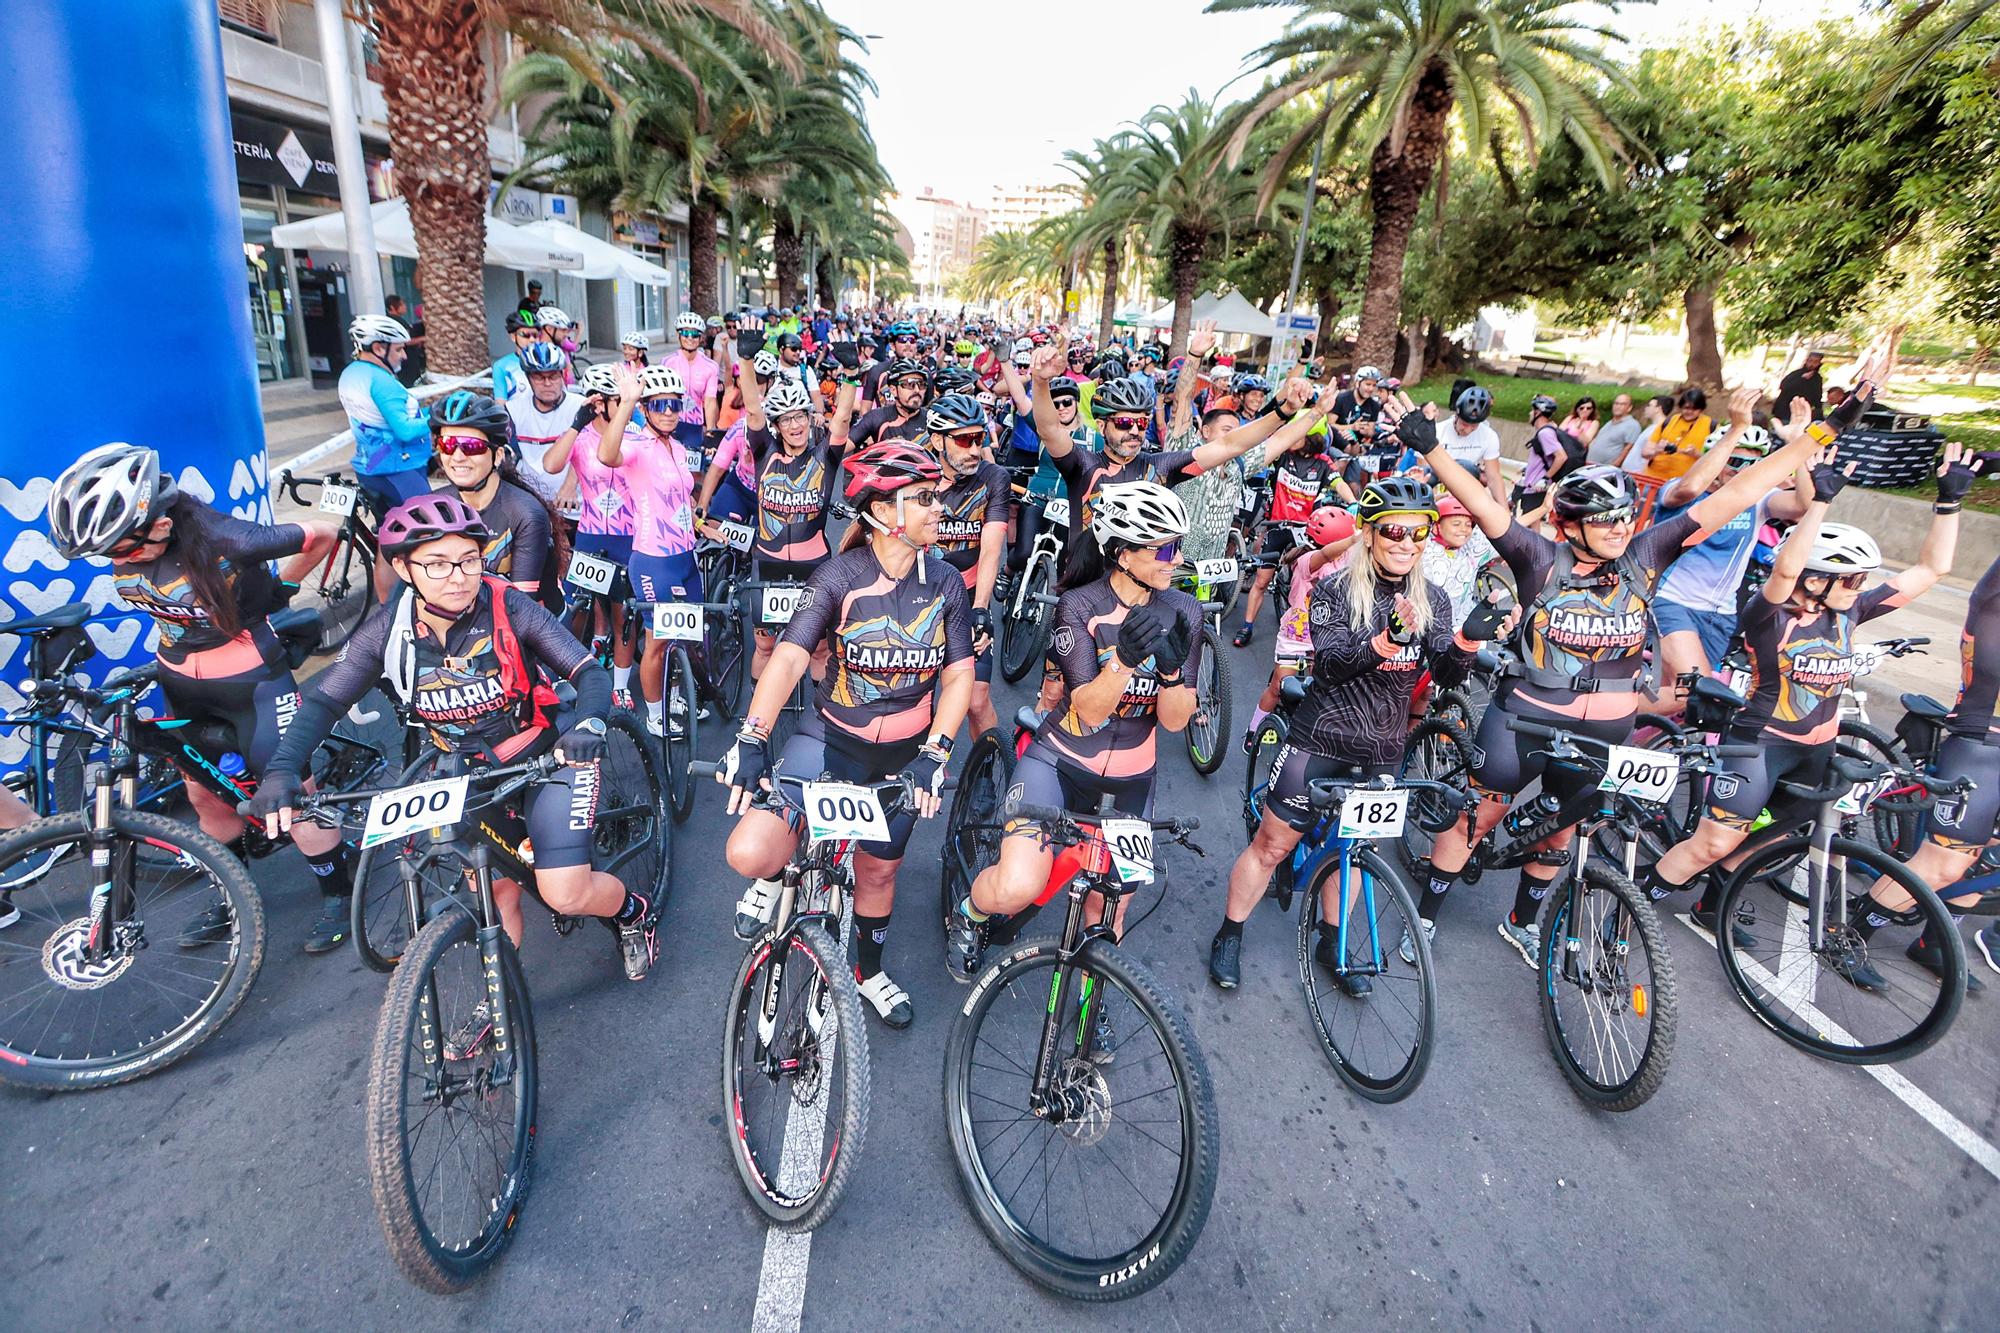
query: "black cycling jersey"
1358, 708
881, 423
969, 504
522, 540
1979, 660
1085, 470
1800, 663
1086, 635
890, 639
161, 588
1349, 407
793, 495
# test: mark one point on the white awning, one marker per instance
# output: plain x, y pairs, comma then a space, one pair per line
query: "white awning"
1230, 310
601, 259
507, 246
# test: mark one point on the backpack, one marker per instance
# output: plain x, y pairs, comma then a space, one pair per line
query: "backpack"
1564, 578
528, 695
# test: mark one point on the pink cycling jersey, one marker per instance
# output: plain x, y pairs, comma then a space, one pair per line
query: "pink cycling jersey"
699, 376
604, 494
662, 490
1294, 634
734, 453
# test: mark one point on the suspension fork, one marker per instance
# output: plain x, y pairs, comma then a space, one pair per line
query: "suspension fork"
774, 974
493, 945
1043, 1081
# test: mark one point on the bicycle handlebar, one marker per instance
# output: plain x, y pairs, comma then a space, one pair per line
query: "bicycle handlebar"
1045, 814
511, 778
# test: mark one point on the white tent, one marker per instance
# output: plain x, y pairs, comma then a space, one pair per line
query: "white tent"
1231, 312
601, 259
507, 246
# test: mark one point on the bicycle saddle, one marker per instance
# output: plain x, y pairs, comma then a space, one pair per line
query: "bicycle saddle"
63, 617
1709, 690
1920, 704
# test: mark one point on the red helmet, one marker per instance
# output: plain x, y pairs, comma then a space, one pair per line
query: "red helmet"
887, 467
1450, 506
425, 518
1329, 523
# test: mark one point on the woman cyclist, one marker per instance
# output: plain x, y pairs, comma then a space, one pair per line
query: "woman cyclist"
474, 659
1374, 625
977, 502
636, 349
1584, 626
203, 577
729, 490
605, 511
1329, 534
899, 627
1799, 631
1122, 636
475, 440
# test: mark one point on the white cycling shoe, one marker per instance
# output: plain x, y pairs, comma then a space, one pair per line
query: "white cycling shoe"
890, 1001
754, 908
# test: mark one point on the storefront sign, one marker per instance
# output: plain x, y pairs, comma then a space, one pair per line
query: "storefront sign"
561, 207
268, 153
634, 231
517, 206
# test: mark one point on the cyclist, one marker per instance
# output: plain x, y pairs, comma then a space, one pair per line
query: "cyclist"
474, 659
541, 414
637, 350
902, 346
972, 529
1552, 452
1962, 828
1585, 595
205, 580
1799, 630
1472, 441
475, 439
508, 376
902, 416
605, 511
1252, 394
1123, 634
1456, 555
791, 360
1362, 400
1329, 534
899, 629
391, 437
701, 382
729, 490
556, 328
1374, 625
1299, 477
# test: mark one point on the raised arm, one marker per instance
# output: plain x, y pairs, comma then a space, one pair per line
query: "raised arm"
1955, 477
843, 408
611, 444
1417, 428
1282, 430
1016, 388
1048, 363
1753, 482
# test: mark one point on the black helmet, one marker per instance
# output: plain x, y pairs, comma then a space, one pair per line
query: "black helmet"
903, 367
474, 411
1595, 492
1541, 405
1109, 368
1395, 495
1062, 386
955, 412
1474, 405
1121, 395
790, 342
955, 379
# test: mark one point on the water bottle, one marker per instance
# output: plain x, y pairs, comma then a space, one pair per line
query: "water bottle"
1524, 817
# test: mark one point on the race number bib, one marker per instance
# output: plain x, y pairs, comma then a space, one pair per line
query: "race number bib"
677, 620
1130, 842
590, 573
407, 810
1248, 500
839, 810
1646, 775
1739, 682
734, 535
337, 498
1219, 570
1057, 511
1374, 814
779, 603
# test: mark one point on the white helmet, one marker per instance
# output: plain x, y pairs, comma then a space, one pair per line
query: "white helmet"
656, 380
787, 395
638, 340
1755, 437
599, 379
765, 364
1367, 373
1841, 548
105, 496
690, 322
1143, 513
552, 317
367, 330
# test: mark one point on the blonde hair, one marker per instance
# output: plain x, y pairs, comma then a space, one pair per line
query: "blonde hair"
1361, 576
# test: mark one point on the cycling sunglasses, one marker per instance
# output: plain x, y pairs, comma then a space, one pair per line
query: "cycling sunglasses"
1611, 518
1167, 554
1128, 424
928, 498
470, 445
1855, 581
1400, 532
664, 403
971, 439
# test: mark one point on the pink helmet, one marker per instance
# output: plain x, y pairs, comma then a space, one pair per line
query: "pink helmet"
425, 518
1329, 523
1450, 506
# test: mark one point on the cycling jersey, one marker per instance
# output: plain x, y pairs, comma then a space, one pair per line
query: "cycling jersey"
881, 423
1086, 636
662, 486
890, 638
1979, 660
1457, 571
604, 494
1349, 407
1708, 576
161, 589
522, 540
1085, 470
700, 377
1294, 629
969, 504
535, 430
509, 377
733, 454
793, 495
391, 433
1357, 710
1800, 663
1296, 482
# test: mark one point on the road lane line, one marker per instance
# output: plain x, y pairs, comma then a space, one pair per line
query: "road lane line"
1961, 1135
781, 1283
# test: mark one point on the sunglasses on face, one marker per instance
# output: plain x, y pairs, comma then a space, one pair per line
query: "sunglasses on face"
925, 499
1168, 553
470, 445
1855, 581
664, 403
693, 337
130, 546
1128, 424
444, 569
1403, 532
1612, 519
912, 382
1064, 404
971, 439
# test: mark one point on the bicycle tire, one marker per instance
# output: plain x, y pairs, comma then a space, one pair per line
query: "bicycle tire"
633, 835
1232, 591
1656, 996
1438, 750
678, 751
182, 847
1154, 1256
1398, 1080
1810, 1031
727, 652
1027, 639
1264, 748
1207, 732
831, 973
342, 589
982, 790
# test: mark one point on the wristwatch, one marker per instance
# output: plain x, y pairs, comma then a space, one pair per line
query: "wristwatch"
594, 725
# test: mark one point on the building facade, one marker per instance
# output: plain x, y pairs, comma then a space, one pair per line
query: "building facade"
943, 234
1017, 207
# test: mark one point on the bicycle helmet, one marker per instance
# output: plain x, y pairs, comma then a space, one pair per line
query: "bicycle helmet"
552, 317
1124, 394
764, 364
903, 368
1755, 439
1140, 513
1249, 383
544, 358
1062, 386
516, 322
965, 347
1329, 523
1109, 368
425, 518
689, 322
956, 379
367, 330
1367, 373
955, 412
790, 342
104, 497
901, 329
882, 469
1841, 548
638, 340
1450, 506
657, 380
475, 412
1474, 405
1541, 405
1395, 495
714, 321
1595, 492
786, 397
600, 380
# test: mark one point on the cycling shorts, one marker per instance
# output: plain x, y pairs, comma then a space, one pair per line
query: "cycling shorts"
1504, 762
1041, 778
556, 816
258, 703
615, 547
1715, 629
1293, 771
386, 490
808, 755
666, 578
1278, 539
1964, 823
731, 502
1741, 793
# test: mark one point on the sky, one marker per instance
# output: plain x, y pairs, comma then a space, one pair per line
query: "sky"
969, 101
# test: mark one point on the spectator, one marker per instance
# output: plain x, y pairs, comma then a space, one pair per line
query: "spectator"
1681, 437
1614, 440
1835, 396
1804, 383
1471, 440
1658, 408
531, 302
418, 359
1582, 420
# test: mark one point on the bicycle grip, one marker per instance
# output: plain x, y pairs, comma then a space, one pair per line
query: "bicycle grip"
703, 768
1527, 728
1737, 751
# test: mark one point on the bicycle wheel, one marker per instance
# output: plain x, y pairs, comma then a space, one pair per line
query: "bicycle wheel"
1379, 1042
392, 883
727, 655
1802, 992
1264, 747
972, 830
450, 1121
795, 1076
1607, 990
72, 1022
1232, 592
633, 836
1437, 751
1103, 1198
342, 589
1027, 639
683, 707
1208, 730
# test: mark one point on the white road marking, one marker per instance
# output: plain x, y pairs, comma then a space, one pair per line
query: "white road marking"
1961, 1135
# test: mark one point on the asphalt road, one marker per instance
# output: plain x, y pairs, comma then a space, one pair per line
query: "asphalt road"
1760, 1188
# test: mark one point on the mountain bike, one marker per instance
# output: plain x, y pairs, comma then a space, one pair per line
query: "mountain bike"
1028, 618
725, 567
341, 587
681, 625
775, 601
1207, 668
1081, 1113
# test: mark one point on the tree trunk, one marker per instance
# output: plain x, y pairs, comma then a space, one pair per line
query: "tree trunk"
432, 55
829, 280
1106, 314
701, 294
1396, 186
1184, 250
788, 251
1328, 307
1704, 366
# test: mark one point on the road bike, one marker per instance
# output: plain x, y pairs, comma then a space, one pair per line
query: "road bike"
341, 587
1028, 617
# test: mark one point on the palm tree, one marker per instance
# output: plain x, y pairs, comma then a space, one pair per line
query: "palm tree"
1103, 223
1916, 47
1014, 264
1391, 75
434, 84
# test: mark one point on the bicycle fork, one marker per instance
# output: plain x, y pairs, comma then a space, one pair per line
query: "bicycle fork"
1346, 882
1051, 1098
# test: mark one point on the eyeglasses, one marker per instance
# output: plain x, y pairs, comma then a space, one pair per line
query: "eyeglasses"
911, 382
1127, 424
470, 445
1403, 532
664, 403
927, 498
971, 439
444, 569
1168, 553
1061, 403
1609, 519
1856, 581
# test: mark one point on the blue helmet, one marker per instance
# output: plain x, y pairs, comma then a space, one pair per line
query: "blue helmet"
544, 356
902, 328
